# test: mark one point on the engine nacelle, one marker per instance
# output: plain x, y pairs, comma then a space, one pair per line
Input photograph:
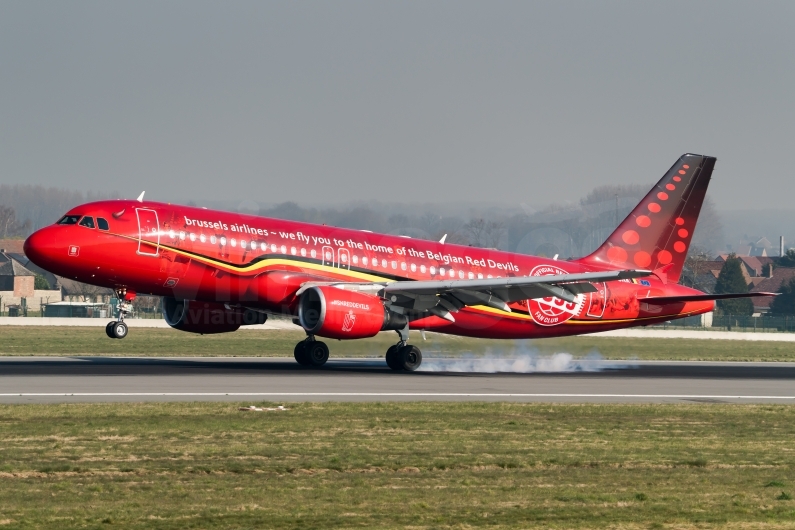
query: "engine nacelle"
337, 313
207, 318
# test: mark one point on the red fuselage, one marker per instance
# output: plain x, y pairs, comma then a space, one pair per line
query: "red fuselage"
256, 262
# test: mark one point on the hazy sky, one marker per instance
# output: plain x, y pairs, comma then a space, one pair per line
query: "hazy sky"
428, 101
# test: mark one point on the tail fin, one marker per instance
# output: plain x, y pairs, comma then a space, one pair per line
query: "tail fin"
657, 233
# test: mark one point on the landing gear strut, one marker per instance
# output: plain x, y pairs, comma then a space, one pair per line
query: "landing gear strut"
311, 352
117, 329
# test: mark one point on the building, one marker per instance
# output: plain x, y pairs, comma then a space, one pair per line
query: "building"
772, 284
14, 277
74, 291
701, 275
17, 287
753, 267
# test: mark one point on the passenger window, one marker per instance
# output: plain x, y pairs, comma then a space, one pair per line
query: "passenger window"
69, 220
102, 224
87, 221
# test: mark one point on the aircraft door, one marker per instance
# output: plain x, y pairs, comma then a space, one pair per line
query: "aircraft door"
148, 232
328, 256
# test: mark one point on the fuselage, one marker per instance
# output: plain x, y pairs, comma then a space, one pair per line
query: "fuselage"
256, 262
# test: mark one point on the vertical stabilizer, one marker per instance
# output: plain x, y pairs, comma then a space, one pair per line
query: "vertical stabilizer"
657, 233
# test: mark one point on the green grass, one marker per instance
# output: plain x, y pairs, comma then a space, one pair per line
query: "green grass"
38, 340
397, 465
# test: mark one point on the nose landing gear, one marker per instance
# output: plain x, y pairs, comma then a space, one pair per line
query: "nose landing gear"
117, 329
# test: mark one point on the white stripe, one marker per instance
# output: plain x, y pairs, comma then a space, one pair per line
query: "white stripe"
382, 394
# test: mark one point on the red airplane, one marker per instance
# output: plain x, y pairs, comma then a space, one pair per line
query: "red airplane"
217, 271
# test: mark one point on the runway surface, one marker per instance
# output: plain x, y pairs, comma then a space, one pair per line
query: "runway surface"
84, 379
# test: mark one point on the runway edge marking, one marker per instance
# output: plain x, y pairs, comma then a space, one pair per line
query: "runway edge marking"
379, 394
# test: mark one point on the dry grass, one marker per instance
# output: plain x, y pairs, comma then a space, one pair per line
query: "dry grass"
397, 465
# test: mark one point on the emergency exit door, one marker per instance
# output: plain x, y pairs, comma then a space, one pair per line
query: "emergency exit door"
148, 232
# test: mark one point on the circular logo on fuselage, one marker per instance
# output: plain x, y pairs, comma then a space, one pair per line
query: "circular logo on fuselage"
551, 311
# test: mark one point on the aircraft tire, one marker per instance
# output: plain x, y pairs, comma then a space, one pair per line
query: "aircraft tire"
409, 358
317, 353
300, 353
109, 329
391, 358
119, 330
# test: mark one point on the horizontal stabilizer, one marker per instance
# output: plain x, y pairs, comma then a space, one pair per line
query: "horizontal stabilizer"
700, 297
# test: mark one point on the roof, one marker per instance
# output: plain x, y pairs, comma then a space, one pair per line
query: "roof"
12, 245
781, 275
14, 268
704, 265
750, 263
756, 281
75, 288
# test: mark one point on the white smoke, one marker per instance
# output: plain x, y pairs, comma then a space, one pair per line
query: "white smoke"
521, 361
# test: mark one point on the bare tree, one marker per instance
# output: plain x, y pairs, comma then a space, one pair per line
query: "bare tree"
9, 226
40, 206
708, 235
83, 291
696, 265
482, 233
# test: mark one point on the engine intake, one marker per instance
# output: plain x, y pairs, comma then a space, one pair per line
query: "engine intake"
337, 313
207, 318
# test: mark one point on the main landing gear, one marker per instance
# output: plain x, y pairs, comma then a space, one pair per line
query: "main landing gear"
117, 329
400, 357
403, 356
311, 352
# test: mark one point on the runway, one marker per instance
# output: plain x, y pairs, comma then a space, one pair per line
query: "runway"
106, 379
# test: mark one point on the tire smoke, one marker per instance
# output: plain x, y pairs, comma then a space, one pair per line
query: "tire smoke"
522, 361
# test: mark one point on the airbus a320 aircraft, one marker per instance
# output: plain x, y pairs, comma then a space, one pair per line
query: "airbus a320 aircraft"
217, 271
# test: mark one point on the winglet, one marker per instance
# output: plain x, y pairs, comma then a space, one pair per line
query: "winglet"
443, 238
141, 196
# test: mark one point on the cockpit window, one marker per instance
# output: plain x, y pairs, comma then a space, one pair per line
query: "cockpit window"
87, 221
102, 224
69, 220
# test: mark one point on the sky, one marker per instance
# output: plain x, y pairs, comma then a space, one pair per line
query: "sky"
434, 102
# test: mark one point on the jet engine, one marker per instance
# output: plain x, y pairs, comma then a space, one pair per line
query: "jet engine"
341, 314
207, 318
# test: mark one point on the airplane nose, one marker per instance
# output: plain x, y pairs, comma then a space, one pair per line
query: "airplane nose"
42, 247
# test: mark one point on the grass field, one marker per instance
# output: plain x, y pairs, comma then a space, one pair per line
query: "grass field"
38, 340
397, 465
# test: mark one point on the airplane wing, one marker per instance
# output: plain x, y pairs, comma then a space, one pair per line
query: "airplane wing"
443, 297
700, 297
